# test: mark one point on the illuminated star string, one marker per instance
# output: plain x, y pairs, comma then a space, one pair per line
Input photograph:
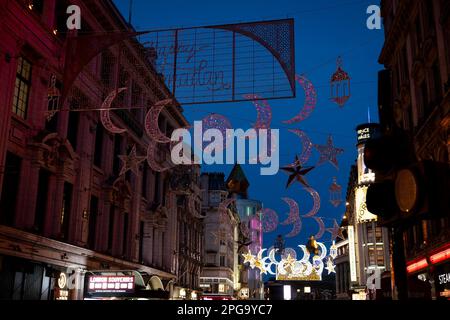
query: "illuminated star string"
297, 173
328, 153
336, 231
131, 162
330, 266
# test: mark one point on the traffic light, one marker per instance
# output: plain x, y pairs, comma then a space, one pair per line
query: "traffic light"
404, 187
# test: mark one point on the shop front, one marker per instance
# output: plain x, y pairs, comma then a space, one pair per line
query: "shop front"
123, 285
24, 279
429, 275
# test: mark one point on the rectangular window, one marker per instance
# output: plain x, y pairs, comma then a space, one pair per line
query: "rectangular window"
125, 234
372, 259
141, 241
93, 214
379, 234
222, 261
22, 88
98, 149
72, 129
10, 189
41, 201
144, 181
157, 194
117, 151
380, 256
112, 216
65, 211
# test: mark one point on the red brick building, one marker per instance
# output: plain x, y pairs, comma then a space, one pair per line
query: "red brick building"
63, 202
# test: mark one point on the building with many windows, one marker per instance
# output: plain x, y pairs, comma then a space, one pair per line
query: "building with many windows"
251, 235
220, 275
66, 205
363, 262
415, 98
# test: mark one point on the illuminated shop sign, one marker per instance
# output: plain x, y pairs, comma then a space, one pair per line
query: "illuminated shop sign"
417, 265
367, 132
440, 256
444, 278
362, 214
62, 292
111, 284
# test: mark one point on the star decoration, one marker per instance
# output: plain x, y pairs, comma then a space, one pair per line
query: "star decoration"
328, 153
336, 231
131, 162
330, 267
289, 261
249, 258
260, 265
297, 172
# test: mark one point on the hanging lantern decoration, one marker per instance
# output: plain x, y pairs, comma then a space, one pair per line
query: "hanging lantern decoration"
340, 85
335, 191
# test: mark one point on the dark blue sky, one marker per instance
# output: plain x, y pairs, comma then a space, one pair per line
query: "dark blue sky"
323, 30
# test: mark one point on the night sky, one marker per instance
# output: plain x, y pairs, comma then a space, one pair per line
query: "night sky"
323, 30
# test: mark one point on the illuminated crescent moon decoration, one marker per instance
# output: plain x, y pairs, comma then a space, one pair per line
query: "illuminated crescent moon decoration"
281, 270
294, 212
323, 250
296, 230
306, 254
287, 252
310, 100
264, 111
273, 262
151, 153
223, 207
271, 255
307, 145
105, 117
316, 206
289, 268
321, 232
260, 253
151, 121
269, 220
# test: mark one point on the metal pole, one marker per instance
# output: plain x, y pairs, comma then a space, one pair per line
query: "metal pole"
130, 12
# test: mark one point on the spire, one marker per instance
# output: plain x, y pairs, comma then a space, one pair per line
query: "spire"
237, 182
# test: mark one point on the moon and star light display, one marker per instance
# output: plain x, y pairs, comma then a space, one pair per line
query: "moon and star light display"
286, 266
